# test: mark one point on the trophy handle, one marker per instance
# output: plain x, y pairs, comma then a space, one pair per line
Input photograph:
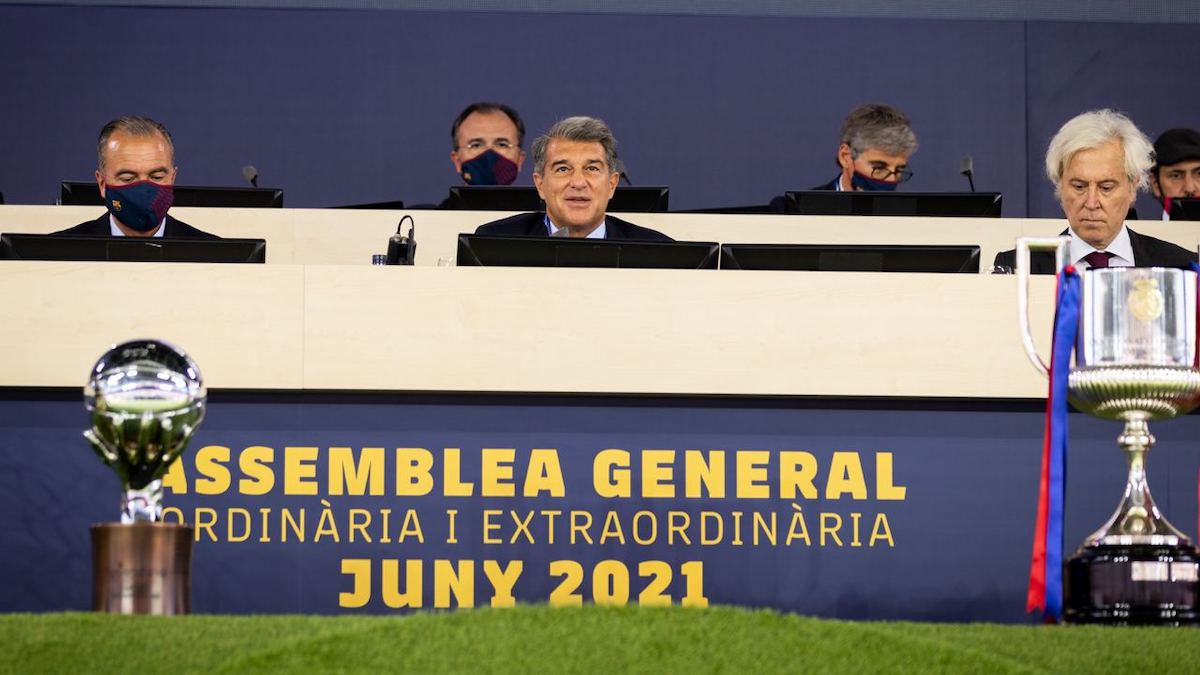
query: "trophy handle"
1024, 246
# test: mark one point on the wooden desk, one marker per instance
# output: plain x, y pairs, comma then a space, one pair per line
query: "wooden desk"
685, 332
350, 237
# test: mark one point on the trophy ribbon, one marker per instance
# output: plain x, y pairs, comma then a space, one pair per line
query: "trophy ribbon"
1046, 566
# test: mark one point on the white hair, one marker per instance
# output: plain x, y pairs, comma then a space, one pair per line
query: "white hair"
1093, 129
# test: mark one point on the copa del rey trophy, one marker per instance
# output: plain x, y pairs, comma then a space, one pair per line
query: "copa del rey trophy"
146, 399
1133, 333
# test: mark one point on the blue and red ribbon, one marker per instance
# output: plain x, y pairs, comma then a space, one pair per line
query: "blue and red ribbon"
1046, 567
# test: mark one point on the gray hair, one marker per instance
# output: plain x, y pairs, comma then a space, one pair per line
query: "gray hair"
134, 126
874, 125
584, 129
1093, 129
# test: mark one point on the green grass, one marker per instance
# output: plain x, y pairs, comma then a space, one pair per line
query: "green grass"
591, 639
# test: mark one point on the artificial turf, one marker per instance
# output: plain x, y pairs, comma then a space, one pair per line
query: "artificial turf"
590, 639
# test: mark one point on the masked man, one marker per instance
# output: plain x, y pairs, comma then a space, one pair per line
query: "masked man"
1176, 172
487, 139
136, 174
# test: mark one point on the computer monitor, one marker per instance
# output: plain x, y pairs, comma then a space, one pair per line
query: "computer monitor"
850, 258
503, 251
394, 205
81, 193
1185, 209
950, 204
131, 249
626, 199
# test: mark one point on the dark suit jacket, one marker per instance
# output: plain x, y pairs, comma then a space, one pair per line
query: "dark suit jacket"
779, 204
534, 225
174, 229
1147, 252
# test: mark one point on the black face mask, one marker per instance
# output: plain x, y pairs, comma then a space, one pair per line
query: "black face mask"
140, 206
489, 168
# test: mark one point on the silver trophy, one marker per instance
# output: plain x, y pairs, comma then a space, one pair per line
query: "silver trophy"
146, 399
1135, 361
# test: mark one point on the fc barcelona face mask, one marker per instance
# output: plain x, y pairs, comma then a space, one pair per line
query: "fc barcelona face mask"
141, 205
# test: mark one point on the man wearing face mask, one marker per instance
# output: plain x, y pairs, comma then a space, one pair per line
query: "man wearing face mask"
575, 170
487, 139
1097, 162
136, 174
877, 141
1176, 172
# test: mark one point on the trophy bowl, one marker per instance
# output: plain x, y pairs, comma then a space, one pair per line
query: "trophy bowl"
146, 398
1135, 361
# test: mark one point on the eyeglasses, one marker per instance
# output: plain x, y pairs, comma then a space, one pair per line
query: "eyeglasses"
882, 172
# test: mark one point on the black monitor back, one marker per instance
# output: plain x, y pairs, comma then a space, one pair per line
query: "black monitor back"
850, 258
1185, 209
80, 193
131, 249
627, 199
503, 251
949, 204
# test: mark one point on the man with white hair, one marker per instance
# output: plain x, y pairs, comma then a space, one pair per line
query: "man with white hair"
1097, 162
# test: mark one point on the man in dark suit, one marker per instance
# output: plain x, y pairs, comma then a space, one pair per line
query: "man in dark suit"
1097, 162
575, 170
136, 174
877, 141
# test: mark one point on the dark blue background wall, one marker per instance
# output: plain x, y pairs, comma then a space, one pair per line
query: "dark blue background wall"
344, 106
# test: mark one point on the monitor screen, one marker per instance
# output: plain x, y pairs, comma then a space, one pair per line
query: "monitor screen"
394, 205
952, 204
1185, 209
635, 199
131, 249
490, 250
80, 193
850, 258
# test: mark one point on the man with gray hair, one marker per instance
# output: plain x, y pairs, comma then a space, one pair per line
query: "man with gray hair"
136, 175
575, 170
877, 141
1097, 162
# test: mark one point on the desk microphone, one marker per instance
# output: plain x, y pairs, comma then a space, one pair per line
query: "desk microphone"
402, 250
967, 168
626, 177
251, 174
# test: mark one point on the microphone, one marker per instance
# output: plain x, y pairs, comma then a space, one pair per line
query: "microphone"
402, 250
626, 177
967, 168
251, 174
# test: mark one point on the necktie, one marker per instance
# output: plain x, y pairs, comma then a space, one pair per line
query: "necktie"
1097, 259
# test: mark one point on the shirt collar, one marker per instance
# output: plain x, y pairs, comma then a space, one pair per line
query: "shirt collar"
600, 232
1121, 248
116, 231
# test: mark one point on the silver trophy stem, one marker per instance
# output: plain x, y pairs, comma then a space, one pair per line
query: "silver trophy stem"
143, 505
1137, 520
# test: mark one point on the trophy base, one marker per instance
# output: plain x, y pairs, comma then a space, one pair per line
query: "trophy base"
1133, 584
142, 568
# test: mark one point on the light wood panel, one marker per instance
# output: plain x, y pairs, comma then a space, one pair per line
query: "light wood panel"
343, 327
350, 237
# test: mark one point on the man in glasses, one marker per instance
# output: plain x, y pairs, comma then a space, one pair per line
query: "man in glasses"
487, 140
877, 141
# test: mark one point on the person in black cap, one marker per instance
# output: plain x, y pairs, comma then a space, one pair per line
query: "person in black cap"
1176, 172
